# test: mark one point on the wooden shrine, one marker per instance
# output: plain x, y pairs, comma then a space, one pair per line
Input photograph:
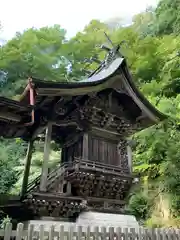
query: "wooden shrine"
91, 119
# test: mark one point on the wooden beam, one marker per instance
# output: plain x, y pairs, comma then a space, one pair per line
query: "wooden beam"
10, 116
85, 146
44, 174
54, 196
97, 129
64, 123
27, 168
109, 120
58, 105
38, 131
129, 154
105, 134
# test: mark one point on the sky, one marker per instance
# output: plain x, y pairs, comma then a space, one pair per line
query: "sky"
73, 15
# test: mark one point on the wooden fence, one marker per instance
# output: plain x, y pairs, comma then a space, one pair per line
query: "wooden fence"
98, 233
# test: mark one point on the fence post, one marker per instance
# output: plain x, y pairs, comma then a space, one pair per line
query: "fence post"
30, 232
71, 233
88, 233
176, 234
51, 232
111, 233
19, 231
61, 232
133, 233
119, 233
41, 232
96, 233
79, 233
146, 234
103, 233
126, 234
141, 233
170, 234
8, 231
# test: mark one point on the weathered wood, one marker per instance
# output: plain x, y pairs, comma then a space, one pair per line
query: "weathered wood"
96, 233
141, 233
27, 168
10, 116
97, 129
85, 147
119, 233
104, 233
51, 233
88, 233
44, 174
41, 232
8, 231
126, 234
38, 131
129, 154
19, 231
61, 232
30, 232
110, 233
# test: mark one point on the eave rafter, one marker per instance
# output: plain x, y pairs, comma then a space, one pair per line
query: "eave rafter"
62, 115
10, 116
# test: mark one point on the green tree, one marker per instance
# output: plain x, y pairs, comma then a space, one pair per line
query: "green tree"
36, 52
167, 17
143, 23
10, 153
36, 164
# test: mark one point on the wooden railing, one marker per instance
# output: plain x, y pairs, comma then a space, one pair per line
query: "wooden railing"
101, 167
87, 233
78, 164
54, 174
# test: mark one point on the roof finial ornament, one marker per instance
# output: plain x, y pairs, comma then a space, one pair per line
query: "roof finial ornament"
108, 39
114, 50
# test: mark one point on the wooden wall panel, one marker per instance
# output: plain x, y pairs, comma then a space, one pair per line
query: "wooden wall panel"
72, 151
99, 150
103, 151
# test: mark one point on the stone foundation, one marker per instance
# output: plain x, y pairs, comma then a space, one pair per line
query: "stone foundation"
91, 219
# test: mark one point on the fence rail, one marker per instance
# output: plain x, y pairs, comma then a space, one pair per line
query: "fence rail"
98, 233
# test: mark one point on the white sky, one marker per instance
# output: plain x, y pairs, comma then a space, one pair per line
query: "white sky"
73, 15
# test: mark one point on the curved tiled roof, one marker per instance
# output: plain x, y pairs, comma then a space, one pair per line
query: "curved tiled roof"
113, 75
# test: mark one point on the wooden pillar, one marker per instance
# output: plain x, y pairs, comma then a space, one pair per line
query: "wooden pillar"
129, 154
27, 168
85, 147
68, 188
44, 173
119, 161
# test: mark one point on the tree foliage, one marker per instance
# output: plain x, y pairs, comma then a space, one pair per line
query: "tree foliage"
167, 17
152, 51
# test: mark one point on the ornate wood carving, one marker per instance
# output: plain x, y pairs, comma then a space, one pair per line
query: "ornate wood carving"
93, 185
55, 208
69, 208
59, 107
100, 206
96, 186
99, 117
122, 149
